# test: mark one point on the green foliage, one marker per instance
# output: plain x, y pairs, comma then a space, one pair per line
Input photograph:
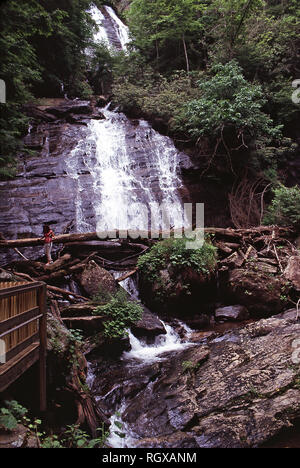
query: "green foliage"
285, 207
173, 252
74, 437
155, 95
161, 25
11, 415
228, 102
121, 313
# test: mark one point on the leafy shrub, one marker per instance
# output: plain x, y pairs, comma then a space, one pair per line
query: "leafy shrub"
228, 101
173, 252
285, 207
11, 415
121, 313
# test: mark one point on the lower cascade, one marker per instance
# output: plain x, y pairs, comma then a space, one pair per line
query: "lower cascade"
137, 359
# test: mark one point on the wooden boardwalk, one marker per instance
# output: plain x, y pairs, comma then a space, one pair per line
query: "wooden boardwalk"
23, 335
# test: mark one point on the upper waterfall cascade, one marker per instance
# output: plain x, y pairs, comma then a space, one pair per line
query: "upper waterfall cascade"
111, 30
133, 169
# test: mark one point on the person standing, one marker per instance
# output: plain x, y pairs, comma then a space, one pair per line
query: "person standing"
48, 238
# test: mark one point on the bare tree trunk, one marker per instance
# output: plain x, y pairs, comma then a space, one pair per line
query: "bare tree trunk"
186, 55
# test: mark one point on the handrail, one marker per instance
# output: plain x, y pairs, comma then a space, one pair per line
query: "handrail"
27, 342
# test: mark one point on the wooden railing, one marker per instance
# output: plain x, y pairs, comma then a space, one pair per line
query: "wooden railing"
23, 332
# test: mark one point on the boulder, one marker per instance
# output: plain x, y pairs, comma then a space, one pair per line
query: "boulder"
259, 291
198, 321
19, 437
94, 278
72, 107
148, 327
232, 313
292, 271
89, 325
177, 293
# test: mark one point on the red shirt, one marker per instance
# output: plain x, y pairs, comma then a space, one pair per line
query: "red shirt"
49, 236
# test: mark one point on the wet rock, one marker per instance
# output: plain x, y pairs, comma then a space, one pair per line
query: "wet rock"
94, 278
177, 293
260, 292
198, 322
232, 313
15, 438
200, 336
101, 101
89, 325
78, 310
72, 107
148, 327
292, 271
235, 392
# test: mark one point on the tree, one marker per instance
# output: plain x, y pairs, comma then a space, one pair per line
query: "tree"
229, 111
158, 24
285, 207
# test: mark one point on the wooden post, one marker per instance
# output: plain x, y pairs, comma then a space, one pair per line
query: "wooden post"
43, 345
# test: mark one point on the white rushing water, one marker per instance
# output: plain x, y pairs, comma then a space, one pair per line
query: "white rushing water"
100, 36
120, 434
142, 352
115, 33
133, 170
120, 28
130, 176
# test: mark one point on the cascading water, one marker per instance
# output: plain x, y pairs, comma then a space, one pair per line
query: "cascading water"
110, 29
133, 171
122, 31
140, 351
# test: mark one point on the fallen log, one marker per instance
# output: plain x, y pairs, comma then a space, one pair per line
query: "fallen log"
127, 275
60, 239
64, 292
93, 236
58, 263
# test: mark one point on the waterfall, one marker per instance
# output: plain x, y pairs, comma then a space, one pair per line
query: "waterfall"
122, 31
110, 29
100, 36
133, 169
140, 351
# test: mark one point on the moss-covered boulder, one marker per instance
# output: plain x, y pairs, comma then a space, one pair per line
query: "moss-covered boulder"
94, 278
175, 279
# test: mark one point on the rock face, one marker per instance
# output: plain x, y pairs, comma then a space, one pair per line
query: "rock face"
59, 186
292, 272
235, 313
259, 291
236, 391
94, 278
